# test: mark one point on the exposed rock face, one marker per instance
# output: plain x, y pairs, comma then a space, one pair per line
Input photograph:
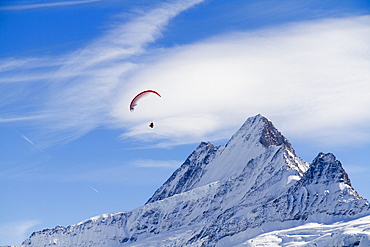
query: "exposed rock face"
226, 194
186, 177
271, 136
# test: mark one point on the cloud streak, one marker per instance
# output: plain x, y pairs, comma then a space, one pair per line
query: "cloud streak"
16, 232
157, 163
97, 191
310, 78
30, 141
86, 81
134, 173
46, 5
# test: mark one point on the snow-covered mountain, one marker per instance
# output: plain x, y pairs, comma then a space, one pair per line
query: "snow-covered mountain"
229, 195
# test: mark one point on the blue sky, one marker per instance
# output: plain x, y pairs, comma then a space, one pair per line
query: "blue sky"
70, 148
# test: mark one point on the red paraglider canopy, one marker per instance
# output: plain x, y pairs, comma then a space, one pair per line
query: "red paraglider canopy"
139, 96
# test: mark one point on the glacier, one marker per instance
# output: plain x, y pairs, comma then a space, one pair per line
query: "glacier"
253, 190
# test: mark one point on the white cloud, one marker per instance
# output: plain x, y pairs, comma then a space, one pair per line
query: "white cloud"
310, 78
77, 91
45, 5
29, 141
16, 232
135, 173
356, 169
18, 119
96, 72
157, 163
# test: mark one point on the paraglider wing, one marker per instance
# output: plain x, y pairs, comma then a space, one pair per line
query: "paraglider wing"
139, 96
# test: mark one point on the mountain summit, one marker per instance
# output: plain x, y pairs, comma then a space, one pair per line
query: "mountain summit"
225, 196
209, 164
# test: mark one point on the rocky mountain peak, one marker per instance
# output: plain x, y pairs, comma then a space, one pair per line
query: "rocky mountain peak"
271, 136
209, 163
188, 174
259, 129
224, 195
326, 169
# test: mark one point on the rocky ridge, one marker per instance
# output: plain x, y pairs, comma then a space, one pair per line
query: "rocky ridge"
226, 194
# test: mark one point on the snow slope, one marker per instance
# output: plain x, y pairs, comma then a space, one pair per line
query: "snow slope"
227, 196
352, 233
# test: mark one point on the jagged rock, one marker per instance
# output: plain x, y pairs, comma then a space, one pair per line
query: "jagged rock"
185, 178
226, 194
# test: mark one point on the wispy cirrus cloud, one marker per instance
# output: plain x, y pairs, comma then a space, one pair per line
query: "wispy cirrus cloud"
143, 172
304, 76
128, 173
27, 139
157, 163
86, 81
19, 119
46, 5
16, 232
310, 78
